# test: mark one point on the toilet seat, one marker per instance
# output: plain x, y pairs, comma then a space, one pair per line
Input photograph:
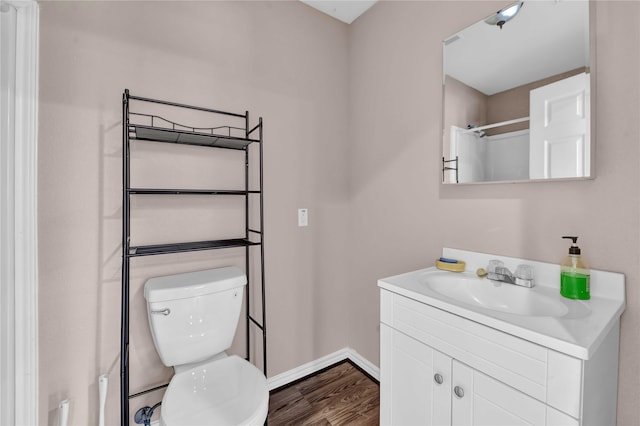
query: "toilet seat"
228, 391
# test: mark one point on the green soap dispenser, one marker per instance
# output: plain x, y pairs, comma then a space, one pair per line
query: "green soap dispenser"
574, 274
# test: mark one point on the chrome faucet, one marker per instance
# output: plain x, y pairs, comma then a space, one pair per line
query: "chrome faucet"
498, 272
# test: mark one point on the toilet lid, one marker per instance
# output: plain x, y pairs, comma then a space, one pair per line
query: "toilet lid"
229, 391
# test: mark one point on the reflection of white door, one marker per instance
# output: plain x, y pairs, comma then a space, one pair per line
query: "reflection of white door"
559, 129
471, 153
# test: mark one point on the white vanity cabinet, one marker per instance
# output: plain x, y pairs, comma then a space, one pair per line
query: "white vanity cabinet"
422, 386
437, 368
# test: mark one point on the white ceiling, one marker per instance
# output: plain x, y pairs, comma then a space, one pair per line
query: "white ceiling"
344, 10
545, 38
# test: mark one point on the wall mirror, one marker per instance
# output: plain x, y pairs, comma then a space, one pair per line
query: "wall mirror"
517, 95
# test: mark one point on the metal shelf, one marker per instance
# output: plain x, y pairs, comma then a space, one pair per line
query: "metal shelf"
158, 191
187, 137
153, 128
151, 250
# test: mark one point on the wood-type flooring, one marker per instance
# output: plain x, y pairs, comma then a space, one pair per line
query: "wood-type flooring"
340, 395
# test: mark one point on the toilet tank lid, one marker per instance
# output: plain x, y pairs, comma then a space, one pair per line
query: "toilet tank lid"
190, 284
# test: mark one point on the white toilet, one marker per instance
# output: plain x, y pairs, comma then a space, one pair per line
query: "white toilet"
193, 319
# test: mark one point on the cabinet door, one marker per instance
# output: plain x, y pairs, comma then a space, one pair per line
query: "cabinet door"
480, 400
410, 391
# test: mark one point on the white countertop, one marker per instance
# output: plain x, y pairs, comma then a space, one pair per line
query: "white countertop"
576, 335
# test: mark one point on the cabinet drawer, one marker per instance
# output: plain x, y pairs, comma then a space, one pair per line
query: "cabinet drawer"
526, 366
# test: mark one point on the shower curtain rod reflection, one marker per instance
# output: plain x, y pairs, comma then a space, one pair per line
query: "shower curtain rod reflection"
492, 126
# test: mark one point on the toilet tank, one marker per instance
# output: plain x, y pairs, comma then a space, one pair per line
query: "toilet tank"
193, 316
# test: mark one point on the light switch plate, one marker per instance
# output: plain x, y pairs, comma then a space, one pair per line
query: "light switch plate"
303, 217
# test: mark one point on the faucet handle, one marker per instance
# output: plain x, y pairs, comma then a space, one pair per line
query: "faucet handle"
525, 272
493, 265
524, 275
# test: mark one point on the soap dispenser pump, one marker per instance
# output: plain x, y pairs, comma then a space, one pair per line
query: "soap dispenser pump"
574, 274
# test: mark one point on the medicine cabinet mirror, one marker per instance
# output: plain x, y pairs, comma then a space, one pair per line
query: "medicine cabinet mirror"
517, 95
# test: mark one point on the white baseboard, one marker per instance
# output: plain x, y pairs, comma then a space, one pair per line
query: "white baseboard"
369, 367
294, 374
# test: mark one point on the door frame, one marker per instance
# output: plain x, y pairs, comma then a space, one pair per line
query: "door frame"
19, 352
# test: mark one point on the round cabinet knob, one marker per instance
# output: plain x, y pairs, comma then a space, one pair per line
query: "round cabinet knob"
458, 391
438, 378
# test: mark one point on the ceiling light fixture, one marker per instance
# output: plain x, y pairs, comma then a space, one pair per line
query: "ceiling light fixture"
504, 15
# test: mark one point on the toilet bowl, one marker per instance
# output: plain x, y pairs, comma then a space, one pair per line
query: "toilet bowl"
229, 391
193, 319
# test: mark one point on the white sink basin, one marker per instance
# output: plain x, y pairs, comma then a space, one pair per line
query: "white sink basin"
539, 314
487, 294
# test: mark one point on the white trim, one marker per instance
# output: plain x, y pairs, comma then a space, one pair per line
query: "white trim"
306, 369
369, 367
25, 248
297, 373
7, 228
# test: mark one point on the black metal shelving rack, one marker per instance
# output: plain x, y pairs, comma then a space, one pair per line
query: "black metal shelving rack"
449, 165
165, 131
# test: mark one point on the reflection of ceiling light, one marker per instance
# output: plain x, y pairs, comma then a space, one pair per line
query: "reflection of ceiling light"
503, 16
